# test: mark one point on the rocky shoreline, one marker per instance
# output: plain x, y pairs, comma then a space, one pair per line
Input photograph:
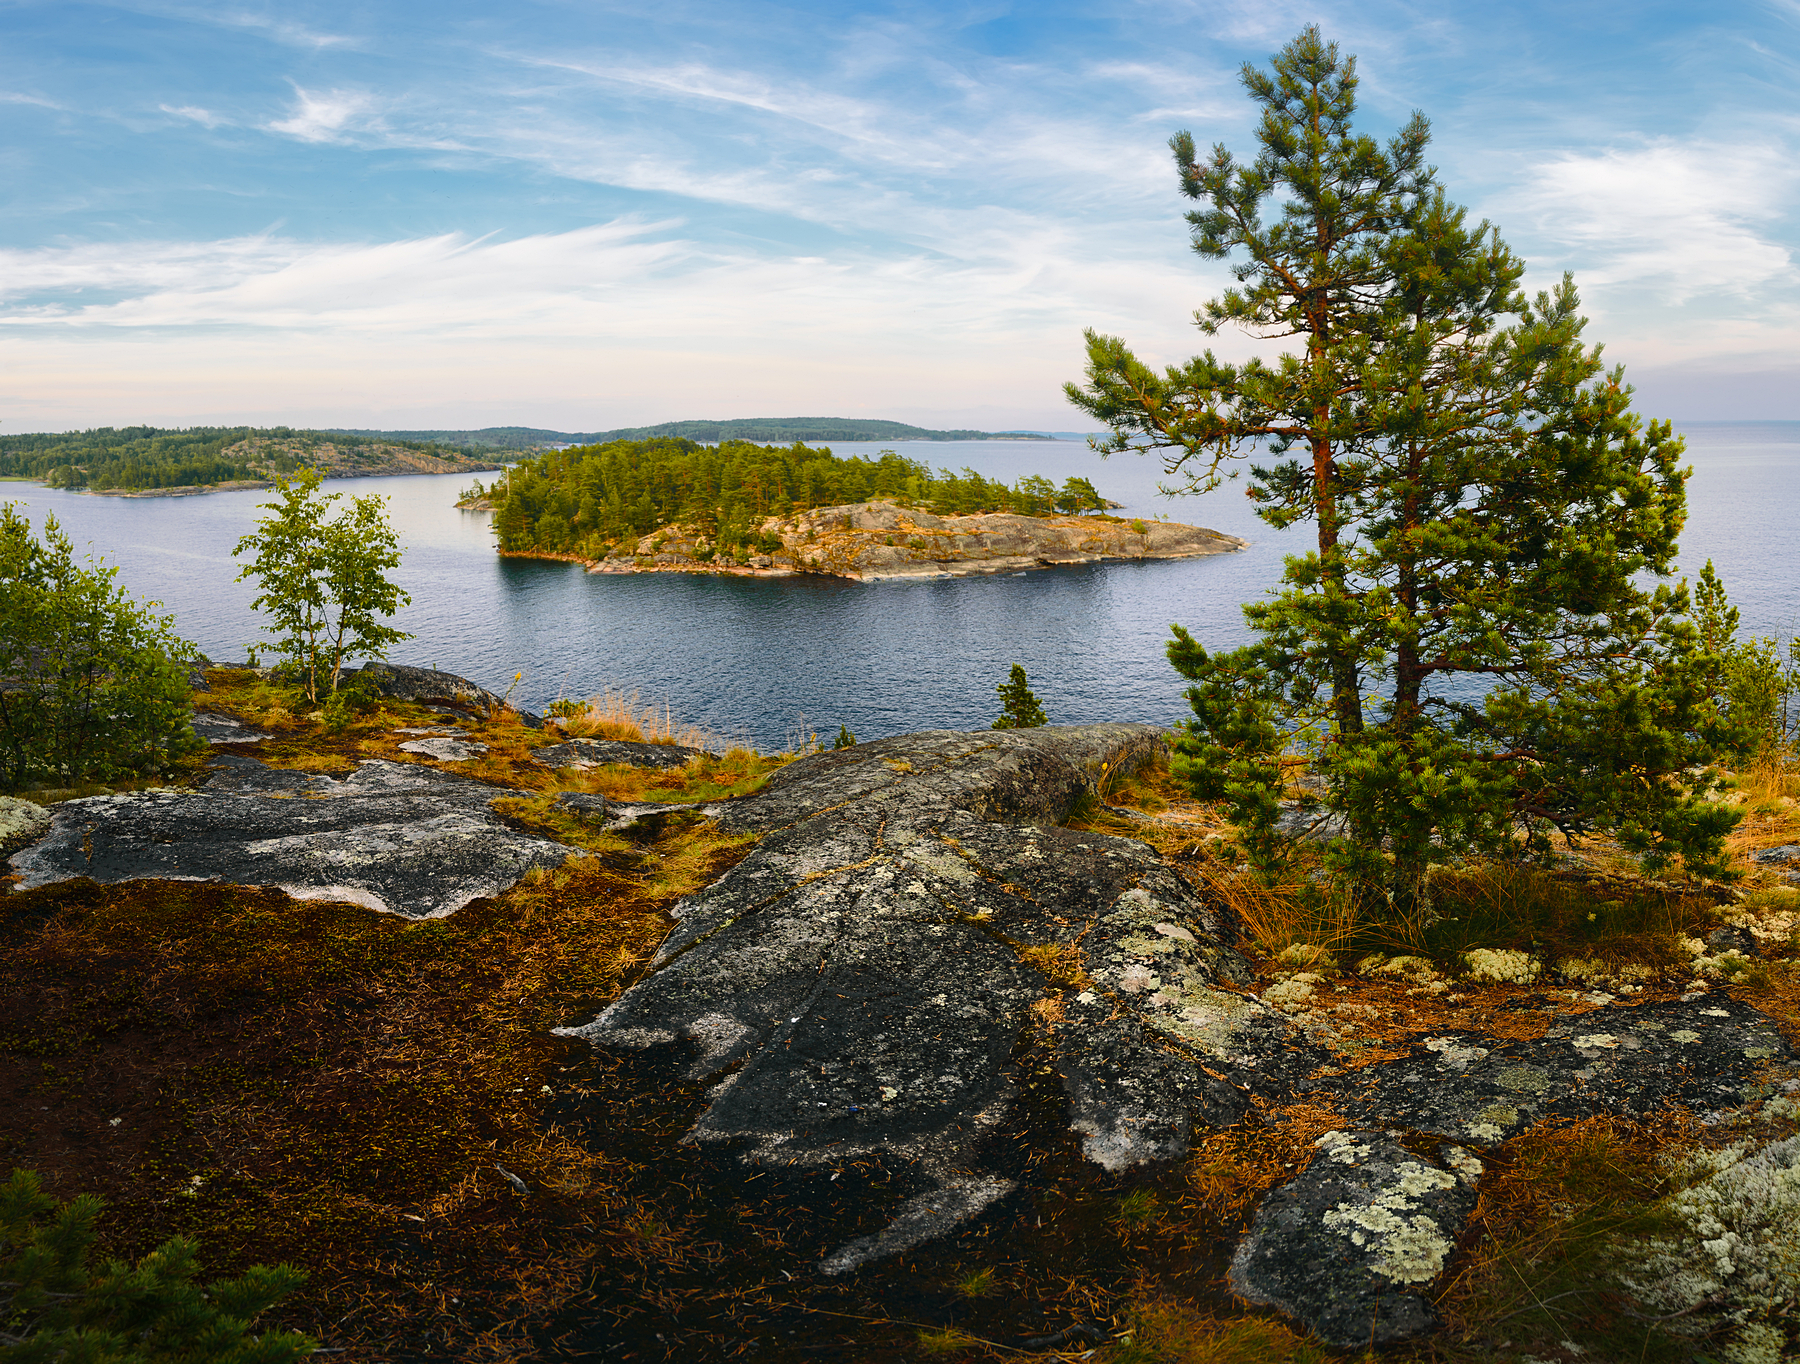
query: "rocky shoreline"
875, 541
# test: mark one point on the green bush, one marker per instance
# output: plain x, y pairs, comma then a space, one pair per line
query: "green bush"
92, 683
55, 1310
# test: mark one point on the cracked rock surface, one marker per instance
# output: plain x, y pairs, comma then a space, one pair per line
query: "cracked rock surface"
1702, 1054
860, 982
397, 837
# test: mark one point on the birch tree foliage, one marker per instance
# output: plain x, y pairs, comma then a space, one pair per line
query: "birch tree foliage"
93, 683
323, 579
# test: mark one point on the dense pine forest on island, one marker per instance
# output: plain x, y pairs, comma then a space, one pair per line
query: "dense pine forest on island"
132, 458
584, 500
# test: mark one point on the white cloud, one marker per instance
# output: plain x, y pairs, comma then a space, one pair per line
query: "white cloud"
329, 117
204, 117
1685, 218
630, 316
18, 97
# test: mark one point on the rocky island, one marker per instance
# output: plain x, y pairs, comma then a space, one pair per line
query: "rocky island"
868, 541
673, 505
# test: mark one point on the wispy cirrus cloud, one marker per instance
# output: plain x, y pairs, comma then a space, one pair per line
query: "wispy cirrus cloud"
206, 118
1687, 218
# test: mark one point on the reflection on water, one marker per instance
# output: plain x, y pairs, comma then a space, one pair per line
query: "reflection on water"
749, 657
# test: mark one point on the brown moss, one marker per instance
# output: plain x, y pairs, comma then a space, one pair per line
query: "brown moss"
317, 1083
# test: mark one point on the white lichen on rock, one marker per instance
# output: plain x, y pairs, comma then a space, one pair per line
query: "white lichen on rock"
1735, 1259
21, 821
1291, 995
1454, 1054
1502, 966
1408, 1245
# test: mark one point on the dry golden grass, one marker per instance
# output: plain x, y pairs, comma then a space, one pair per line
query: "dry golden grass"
612, 714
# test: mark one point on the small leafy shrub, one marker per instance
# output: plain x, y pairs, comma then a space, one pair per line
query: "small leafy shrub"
92, 683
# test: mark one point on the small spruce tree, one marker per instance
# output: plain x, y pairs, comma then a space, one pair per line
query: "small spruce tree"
845, 738
1019, 708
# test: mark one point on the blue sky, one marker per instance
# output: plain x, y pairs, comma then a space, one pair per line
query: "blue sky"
587, 215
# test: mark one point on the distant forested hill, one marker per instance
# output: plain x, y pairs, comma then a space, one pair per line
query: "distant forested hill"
782, 430
142, 457
587, 499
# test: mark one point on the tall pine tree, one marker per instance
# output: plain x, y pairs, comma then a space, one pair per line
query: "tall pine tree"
1469, 652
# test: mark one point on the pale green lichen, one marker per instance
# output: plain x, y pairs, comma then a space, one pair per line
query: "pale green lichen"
1408, 1246
1453, 1053
1523, 1080
1307, 957
1734, 1260
1502, 966
1292, 995
21, 821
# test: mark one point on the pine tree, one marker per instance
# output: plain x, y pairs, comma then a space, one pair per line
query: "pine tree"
1319, 272
1470, 652
54, 1307
1019, 709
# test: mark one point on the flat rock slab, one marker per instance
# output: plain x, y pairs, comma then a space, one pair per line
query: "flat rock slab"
861, 981
398, 837
225, 729
1705, 1054
599, 752
445, 748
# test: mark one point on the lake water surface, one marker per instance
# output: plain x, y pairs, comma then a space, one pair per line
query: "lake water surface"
769, 659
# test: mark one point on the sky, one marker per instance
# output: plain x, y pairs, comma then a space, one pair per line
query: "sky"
581, 216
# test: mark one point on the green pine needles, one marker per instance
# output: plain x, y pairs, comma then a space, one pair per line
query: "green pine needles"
1473, 654
55, 1310
1019, 709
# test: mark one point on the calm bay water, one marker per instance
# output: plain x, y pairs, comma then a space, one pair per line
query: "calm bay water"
768, 659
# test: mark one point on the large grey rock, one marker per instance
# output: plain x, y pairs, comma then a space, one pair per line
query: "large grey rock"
599, 752
393, 836
1704, 1054
861, 980
1350, 1248
218, 728
406, 683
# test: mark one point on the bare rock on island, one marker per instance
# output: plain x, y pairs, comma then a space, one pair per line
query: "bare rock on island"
868, 541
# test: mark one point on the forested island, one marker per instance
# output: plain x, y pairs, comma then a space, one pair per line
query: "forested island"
163, 460
778, 429
674, 504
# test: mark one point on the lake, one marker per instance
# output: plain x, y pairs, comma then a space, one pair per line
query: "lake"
771, 660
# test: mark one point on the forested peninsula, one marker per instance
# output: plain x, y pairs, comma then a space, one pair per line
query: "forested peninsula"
671, 504
159, 461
